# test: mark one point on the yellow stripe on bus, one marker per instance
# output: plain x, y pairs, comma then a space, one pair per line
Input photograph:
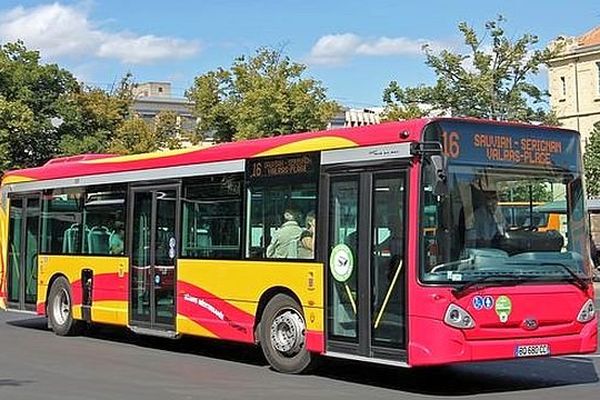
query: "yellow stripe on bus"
145, 156
187, 326
312, 144
113, 312
16, 179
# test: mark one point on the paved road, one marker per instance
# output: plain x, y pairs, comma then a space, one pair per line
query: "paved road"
112, 364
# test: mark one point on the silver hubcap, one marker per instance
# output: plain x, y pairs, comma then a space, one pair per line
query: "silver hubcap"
61, 307
287, 332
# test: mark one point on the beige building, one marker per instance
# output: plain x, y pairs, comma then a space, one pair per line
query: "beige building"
351, 117
574, 82
150, 98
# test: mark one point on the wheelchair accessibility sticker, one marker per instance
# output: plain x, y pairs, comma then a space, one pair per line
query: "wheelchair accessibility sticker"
483, 302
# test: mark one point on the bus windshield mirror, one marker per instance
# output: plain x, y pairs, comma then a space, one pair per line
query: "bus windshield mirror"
438, 170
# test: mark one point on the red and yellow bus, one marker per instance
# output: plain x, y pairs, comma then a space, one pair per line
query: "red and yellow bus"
313, 244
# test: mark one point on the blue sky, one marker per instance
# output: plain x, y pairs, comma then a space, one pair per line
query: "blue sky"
354, 47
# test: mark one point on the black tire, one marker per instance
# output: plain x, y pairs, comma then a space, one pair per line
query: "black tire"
289, 314
60, 309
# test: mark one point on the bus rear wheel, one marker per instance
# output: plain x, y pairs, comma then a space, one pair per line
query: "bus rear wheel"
60, 309
282, 335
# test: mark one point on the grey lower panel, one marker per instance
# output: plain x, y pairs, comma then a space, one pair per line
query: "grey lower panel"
367, 359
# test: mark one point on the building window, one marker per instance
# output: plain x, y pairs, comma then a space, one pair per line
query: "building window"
281, 204
212, 213
598, 74
563, 83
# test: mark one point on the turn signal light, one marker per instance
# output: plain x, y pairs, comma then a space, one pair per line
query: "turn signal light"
457, 317
587, 312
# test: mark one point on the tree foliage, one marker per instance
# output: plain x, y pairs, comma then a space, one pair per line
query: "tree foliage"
31, 95
591, 162
491, 80
135, 135
261, 95
91, 117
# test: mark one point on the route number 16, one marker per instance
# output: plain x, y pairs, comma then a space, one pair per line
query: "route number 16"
451, 144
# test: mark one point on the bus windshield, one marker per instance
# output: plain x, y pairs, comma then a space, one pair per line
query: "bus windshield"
497, 222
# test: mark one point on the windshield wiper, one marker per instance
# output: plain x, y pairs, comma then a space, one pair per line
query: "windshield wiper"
577, 280
499, 280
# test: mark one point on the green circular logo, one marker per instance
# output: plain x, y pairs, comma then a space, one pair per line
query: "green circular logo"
503, 308
341, 262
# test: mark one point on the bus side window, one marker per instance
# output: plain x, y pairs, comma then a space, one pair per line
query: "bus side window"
62, 228
104, 219
212, 210
282, 203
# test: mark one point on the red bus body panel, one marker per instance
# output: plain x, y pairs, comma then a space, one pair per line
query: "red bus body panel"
554, 307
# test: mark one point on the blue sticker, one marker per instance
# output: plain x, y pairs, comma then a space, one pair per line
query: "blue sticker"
478, 302
488, 302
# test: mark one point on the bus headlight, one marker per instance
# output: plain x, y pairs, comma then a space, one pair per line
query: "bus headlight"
587, 312
457, 317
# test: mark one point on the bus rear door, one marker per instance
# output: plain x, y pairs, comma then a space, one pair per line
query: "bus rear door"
23, 242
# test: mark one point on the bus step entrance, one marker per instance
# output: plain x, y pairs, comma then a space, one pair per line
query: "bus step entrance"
155, 332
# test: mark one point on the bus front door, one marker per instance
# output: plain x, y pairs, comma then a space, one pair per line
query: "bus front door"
154, 248
23, 241
365, 259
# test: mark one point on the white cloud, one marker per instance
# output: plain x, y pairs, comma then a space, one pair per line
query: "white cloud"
334, 49
339, 48
61, 30
145, 49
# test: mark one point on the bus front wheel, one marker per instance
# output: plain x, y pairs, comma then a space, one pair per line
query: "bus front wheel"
60, 309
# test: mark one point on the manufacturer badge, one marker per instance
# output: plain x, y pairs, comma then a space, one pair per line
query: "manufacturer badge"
530, 324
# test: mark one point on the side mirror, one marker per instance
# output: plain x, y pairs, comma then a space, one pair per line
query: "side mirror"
439, 164
433, 155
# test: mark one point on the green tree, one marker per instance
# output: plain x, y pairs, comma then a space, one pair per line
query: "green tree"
168, 130
31, 92
258, 96
136, 136
491, 80
16, 122
91, 117
591, 162
400, 103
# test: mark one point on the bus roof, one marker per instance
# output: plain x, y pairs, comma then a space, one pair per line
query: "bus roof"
92, 164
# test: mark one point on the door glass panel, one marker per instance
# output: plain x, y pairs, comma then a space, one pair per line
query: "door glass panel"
14, 249
387, 251
165, 250
343, 276
31, 249
141, 264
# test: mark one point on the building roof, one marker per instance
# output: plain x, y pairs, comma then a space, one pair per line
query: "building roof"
590, 38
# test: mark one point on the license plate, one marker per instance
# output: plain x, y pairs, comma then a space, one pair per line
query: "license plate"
533, 350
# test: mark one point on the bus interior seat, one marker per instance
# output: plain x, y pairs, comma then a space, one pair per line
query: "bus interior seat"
98, 240
69, 245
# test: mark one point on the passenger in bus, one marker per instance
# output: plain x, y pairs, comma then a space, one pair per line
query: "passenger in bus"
307, 238
284, 243
489, 224
116, 242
